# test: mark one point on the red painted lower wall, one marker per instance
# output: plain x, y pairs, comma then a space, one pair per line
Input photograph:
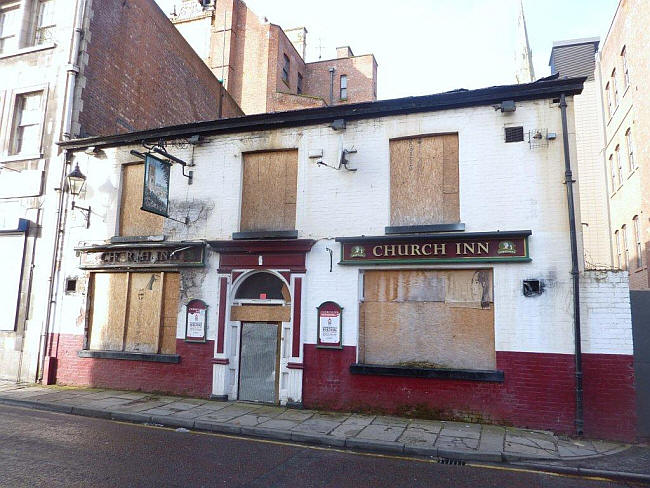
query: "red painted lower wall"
192, 376
538, 392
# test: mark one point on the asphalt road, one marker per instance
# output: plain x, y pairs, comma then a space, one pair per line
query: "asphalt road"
57, 450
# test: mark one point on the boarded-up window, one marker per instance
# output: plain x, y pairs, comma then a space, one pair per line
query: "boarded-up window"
134, 312
269, 191
133, 221
424, 180
426, 318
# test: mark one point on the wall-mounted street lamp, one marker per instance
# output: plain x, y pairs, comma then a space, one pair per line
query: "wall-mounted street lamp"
76, 181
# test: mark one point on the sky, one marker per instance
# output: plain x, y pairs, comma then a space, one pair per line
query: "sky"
430, 46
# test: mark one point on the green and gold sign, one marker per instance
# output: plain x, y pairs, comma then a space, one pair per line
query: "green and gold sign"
448, 247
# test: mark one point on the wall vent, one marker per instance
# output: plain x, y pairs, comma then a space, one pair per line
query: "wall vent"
514, 134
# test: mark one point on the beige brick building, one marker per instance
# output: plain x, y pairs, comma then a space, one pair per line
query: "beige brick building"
263, 66
623, 68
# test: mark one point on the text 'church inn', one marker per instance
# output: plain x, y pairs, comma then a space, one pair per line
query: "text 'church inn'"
415, 256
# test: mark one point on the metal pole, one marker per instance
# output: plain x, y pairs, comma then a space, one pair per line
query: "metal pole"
575, 270
331, 86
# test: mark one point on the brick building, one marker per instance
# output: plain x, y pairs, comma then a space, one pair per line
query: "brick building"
612, 128
263, 66
411, 256
623, 69
69, 69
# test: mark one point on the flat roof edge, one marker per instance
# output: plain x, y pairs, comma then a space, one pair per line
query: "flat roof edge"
358, 111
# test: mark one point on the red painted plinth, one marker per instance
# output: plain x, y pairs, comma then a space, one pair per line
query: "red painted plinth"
192, 376
538, 392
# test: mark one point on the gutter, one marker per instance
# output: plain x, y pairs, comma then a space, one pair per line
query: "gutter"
575, 270
539, 90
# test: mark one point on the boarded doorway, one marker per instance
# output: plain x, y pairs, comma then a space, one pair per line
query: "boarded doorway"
258, 368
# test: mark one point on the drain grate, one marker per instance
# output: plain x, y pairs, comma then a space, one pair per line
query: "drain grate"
451, 461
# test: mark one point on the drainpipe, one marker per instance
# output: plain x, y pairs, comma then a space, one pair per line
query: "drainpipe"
73, 68
575, 270
66, 130
332, 86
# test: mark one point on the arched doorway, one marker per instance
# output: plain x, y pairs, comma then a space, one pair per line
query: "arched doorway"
261, 303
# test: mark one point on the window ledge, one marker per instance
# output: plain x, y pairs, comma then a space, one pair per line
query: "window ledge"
419, 229
132, 356
262, 234
28, 49
430, 373
20, 157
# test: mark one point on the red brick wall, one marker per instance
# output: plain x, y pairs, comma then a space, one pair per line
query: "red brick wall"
141, 73
362, 78
538, 392
192, 376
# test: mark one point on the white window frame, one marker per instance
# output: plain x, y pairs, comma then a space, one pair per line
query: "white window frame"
10, 6
36, 27
615, 89
626, 72
608, 97
637, 239
629, 143
343, 87
626, 248
8, 125
619, 165
612, 167
617, 240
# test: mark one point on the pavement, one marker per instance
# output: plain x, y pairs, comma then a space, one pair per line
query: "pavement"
454, 441
39, 448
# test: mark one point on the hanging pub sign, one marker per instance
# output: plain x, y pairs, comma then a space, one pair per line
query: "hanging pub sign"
438, 248
330, 325
155, 191
195, 321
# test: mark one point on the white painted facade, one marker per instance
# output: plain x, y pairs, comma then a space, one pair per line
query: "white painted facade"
503, 187
29, 176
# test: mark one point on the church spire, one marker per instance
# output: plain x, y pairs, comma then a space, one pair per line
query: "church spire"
523, 55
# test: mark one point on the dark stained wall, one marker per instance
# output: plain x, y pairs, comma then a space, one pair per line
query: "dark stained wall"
142, 74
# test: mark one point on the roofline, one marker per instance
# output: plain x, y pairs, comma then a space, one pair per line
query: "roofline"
575, 42
357, 111
332, 60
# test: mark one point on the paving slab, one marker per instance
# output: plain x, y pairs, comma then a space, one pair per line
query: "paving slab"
417, 436
297, 415
457, 429
316, 426
492, 438
388, 420
250, 419
381, 432
352, 426
545, 444
193, 413
458, 443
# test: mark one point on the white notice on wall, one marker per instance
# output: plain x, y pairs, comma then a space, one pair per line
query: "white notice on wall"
196, 323
330, 326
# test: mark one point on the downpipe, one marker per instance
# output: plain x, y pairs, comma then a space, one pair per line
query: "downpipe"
72, 70
575, 269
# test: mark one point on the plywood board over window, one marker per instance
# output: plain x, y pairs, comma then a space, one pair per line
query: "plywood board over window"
428, 318
133, 221
135, 312
424, 180
269, 191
